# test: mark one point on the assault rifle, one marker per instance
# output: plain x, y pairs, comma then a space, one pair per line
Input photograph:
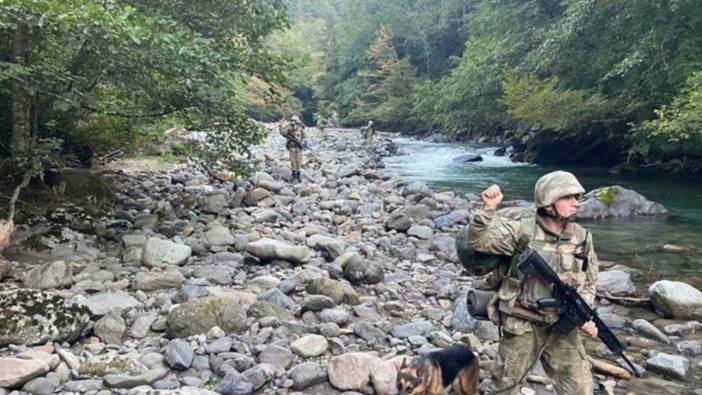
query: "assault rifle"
573, 309
299, 143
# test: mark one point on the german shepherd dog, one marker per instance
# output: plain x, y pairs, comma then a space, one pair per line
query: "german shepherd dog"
434, 373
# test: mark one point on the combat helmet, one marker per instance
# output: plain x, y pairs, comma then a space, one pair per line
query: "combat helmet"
296, 119
553, 186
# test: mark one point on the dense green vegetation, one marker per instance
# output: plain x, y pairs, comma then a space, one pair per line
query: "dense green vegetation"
619, 71
625, 75
101, 75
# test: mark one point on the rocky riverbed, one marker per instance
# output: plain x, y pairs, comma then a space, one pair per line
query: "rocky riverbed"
199, 285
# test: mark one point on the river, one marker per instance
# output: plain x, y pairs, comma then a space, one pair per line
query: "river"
633, 242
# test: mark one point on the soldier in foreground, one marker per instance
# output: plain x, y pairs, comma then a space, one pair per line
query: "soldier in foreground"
294, 133
525, 323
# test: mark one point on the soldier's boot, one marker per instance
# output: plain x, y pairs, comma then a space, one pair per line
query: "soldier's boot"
295, 176
299, 176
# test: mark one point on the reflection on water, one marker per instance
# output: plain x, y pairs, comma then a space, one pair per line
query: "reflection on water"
633, 242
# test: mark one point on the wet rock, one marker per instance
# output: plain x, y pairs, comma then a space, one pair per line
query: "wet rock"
162, 253
35, 317
615, 282
647, 329
269, 249
468, 158
674, 299
615, 201
200, 315
670, 365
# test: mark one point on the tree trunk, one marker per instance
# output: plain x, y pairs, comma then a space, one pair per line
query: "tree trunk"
21, 100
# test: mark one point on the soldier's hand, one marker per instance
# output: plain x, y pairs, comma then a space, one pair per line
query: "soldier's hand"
590, 328
492, 197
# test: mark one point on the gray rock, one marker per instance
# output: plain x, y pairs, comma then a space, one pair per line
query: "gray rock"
372, 335
421, 328
262, 309
40, 386
351, 371
179, 354
35, 317
468, 158
670, 365
153, 281
277, 297
82, 386
141, 326
360, 271
200, 315
215, 203
104, 302
129, 381
461, 319
277, 356
330, 246
219, 235
486, 330
444, 221
417, 188
307, 374
339, 292
234, 383
217, 274
398, 221
421, 232
49, 276
310, 346
269, 249
161, 253
255, 196
265, 216
111, 328
337, 315
260, 374
615, 282
692, 348
674, 299
316, 303
223, 344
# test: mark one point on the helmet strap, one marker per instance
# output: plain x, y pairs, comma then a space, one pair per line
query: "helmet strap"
555, 215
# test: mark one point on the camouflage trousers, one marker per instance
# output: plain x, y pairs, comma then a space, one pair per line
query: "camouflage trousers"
563, 358
295, 158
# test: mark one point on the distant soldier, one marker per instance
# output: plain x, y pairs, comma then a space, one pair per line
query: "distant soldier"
322, 123
294, 133
368, 132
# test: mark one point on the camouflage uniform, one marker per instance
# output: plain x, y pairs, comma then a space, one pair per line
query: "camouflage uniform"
369, 132
524, 335
321, 125
294, 130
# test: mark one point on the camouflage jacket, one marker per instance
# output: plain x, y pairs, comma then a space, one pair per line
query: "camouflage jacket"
570, 254
292, 131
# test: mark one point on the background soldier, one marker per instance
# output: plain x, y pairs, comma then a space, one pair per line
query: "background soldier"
368, 132
568, 249
294, 133
321, 125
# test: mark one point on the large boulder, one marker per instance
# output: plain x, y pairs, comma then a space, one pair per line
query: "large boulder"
269, 249
30, 316
675, 299
161, 253
467, 158
15, 371
200, 315
615, 282
615, 201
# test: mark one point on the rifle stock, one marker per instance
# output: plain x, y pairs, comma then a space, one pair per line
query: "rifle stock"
573, 310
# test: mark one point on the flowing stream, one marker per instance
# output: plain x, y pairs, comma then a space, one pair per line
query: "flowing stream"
633, 242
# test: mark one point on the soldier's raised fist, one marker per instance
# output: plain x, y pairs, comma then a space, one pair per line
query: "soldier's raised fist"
492, 197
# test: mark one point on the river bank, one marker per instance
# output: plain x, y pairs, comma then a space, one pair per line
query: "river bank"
194, 284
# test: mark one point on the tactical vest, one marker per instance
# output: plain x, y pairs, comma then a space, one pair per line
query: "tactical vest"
567, 256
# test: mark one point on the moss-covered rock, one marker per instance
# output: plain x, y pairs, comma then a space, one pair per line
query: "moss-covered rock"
200, 315
29, 316
608, 195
